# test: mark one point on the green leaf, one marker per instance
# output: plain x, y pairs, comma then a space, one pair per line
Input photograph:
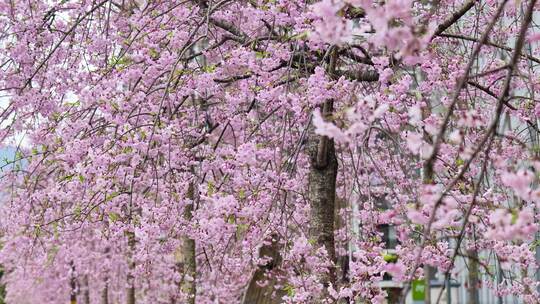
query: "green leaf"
242, 194
261, 54
390, 257
289, 290
241, 228
209, 68
74, 104
111, 196
113, 216
514, 217
37, 230
153, 53
67, 178
210, 190
77, 211
301, 36
55, 230
51, 254
143, 135
534, 244
120, 62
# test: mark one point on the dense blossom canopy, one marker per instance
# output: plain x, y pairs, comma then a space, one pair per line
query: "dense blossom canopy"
164, 145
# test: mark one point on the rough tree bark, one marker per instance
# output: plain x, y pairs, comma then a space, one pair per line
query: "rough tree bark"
427, 290
427, 179
342, 271
322, 184
73, 286
255, 294
322, 192
342, 261
105, 294
473, 280
86, 290
105, 290
321, 195
188, 263
130, 292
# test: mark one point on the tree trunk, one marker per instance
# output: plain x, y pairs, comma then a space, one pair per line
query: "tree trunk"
322, 193
130, 299
131, 292
322, 186
472, 287
86, 291
427, 288
190, 269
256, 294
342, 261
188, 263
105, 290
428, 174
342, 270
105, 294
73, 286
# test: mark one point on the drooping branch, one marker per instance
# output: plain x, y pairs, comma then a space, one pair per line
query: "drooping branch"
454, 18
57, 45
488, 43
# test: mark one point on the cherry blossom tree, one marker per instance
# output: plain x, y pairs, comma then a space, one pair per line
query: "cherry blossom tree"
249, 151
